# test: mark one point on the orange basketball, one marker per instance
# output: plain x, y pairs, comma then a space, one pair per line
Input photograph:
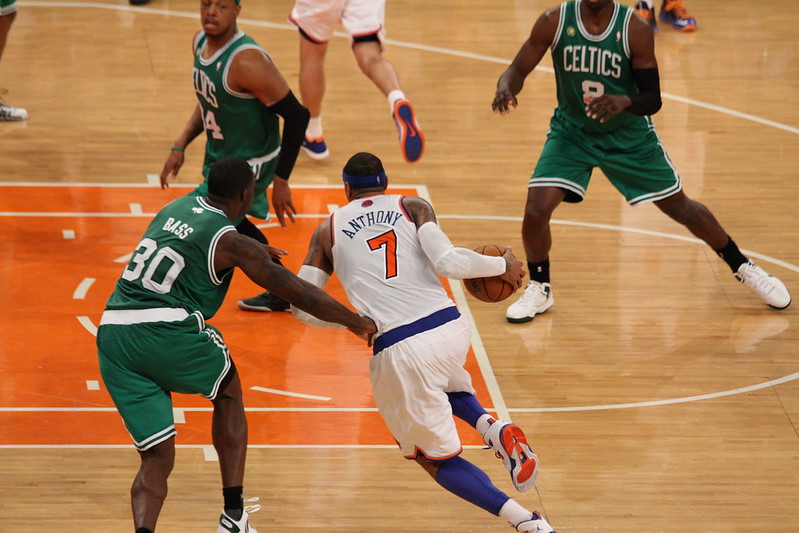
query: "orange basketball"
494, 289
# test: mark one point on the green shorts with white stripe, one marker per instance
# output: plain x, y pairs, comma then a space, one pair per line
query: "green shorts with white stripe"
632, 158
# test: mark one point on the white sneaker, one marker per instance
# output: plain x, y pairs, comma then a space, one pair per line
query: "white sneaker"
509, 443
228, 525
536, 524
537, 298
770, 289
8, 113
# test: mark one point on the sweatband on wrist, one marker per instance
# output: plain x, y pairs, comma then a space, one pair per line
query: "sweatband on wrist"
318, 277
176, 149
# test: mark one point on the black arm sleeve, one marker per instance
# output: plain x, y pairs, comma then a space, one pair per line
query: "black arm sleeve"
647, 101
295, 120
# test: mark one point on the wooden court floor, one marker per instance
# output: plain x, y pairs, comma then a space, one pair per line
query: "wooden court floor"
659, 393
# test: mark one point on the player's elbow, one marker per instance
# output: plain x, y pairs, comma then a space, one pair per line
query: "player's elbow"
452, 265
657, 103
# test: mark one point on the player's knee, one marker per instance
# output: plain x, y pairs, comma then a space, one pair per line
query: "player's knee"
535, 216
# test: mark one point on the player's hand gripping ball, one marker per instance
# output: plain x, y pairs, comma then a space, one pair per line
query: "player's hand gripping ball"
493, 289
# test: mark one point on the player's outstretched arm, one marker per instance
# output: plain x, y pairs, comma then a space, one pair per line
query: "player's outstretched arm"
175, 158
238, 250
254, 72
511, 81
448, 260
316, 269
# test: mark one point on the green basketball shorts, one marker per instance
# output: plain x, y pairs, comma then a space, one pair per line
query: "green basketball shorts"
142, 363
632, 158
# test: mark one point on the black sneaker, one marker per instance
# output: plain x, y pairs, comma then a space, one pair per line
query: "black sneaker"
265, 303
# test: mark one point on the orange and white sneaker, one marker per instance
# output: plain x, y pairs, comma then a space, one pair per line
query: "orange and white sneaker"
675, 13
410, 135
509, 444
648, 14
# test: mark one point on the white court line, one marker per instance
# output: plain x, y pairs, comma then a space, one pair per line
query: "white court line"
87, 323
767, 258
191, 409
135, 208
294, 394
83, 288
179, 415
481, 355
685, 399
404, 44
209, 452
205, 447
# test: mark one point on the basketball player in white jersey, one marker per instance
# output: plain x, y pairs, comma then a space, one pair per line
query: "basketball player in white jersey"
388, 252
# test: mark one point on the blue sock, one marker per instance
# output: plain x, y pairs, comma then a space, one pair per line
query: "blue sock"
466, 407
465, 480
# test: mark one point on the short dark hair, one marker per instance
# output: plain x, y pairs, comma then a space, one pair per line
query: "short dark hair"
228, 177
363, 164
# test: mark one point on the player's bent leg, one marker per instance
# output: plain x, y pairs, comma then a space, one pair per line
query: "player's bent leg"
465, 480
149, 489
701, 222
696, 217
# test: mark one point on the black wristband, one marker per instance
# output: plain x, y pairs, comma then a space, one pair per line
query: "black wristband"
647, 101
295, 120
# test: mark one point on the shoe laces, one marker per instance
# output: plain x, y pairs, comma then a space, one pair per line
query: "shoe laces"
756, 277
532, 290
250, 509
677, 8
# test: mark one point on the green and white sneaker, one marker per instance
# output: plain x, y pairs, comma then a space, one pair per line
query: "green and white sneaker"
229, 525
537, 299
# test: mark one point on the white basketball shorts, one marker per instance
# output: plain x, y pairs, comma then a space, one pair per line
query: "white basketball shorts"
319, 18
410, 380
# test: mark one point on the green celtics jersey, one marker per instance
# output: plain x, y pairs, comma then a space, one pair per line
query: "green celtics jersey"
237, 124
588, 66
172, 266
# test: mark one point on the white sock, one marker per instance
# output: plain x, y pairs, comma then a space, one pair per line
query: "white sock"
514, 513
393, 96
314, 129
483, 423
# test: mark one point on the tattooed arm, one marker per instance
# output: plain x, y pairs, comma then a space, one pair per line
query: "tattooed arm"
237, 250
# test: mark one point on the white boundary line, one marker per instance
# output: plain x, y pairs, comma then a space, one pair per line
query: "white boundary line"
205, 446
480, 354
403, 44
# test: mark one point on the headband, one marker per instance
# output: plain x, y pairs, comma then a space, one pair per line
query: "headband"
364, 182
